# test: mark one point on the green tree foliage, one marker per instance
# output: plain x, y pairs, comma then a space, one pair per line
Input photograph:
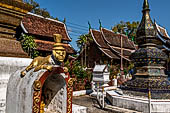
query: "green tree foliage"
29, 45
83, 40
127, 28
76, 69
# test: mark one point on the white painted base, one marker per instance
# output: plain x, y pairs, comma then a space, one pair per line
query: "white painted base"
82, 92
78, 109
9, 65
138, 104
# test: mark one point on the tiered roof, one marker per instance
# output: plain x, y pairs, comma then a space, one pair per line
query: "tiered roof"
38, 25
163, 36
44, 29
110, 43
162, 31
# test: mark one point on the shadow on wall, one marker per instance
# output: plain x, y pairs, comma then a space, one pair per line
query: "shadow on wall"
52, 85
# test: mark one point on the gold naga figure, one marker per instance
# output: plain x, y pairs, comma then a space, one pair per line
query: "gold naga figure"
57, 56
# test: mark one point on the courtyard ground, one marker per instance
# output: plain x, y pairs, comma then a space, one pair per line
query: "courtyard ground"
93, 106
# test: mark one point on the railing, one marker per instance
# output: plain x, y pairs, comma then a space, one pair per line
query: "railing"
100, 97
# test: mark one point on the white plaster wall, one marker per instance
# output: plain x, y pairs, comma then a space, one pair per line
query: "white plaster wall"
9, 65
20, 92
78, 109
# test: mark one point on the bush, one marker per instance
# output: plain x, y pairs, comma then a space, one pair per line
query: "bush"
29, 45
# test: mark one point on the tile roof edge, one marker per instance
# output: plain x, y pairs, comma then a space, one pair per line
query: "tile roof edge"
94, 37
72, 47
118, 34
24, 29
157, 26
104, 36
105, 52
119, 53
53, 21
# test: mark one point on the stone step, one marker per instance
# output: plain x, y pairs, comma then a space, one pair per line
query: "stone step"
120, 110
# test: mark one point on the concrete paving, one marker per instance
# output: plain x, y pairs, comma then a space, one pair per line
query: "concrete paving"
93, 106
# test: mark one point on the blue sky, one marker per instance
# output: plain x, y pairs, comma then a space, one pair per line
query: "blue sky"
110, 12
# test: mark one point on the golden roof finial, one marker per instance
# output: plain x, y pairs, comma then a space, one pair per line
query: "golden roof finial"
58, 45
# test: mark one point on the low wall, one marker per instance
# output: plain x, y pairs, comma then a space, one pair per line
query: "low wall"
9, 65
138, 104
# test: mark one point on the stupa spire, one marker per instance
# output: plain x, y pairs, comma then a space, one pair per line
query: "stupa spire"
146, 32
145, 5
149, 62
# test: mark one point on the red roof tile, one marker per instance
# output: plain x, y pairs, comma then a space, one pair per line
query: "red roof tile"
38, 25
48, 46
115, 39
98, 38
125, 52
109, 43
109, 53
162, 31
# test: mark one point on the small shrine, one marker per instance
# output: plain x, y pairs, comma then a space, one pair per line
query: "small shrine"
100, 76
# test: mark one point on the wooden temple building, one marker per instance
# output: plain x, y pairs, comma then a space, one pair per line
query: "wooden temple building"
107, 47
110, 48
43, 30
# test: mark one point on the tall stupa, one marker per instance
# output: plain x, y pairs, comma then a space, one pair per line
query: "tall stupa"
149, 61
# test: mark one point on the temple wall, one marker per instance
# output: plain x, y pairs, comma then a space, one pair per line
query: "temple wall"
9, 65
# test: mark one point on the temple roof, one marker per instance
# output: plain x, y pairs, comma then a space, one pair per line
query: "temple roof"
102, 45
162, 31
110, 43
98, 38
115, 39
38, 25
163, 36
109, 53
44, 29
